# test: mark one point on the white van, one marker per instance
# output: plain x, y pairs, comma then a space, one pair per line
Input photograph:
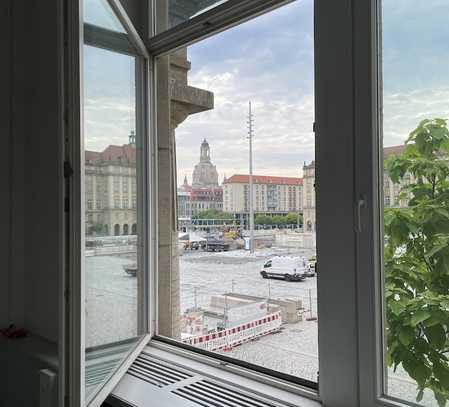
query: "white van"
290, 268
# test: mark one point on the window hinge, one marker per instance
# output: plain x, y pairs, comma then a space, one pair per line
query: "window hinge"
314, 127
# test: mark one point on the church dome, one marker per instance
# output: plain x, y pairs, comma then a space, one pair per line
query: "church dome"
205, 174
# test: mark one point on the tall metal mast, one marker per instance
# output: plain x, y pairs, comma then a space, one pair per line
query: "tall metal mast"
251, 204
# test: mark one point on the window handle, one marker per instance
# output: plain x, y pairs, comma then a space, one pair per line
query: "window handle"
360, 204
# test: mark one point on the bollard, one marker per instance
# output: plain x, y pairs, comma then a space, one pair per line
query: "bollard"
311, 317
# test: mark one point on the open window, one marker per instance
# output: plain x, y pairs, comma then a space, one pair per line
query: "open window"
242, 249
112, 227
165, 188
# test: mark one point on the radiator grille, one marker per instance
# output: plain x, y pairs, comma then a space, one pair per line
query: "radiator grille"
209, 394
154, 381
156, 372
96, 374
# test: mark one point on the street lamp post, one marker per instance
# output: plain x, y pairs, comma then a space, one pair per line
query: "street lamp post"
251, 205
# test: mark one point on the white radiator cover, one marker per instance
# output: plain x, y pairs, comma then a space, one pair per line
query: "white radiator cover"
48, 388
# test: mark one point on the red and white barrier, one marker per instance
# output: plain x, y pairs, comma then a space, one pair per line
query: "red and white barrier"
237, 335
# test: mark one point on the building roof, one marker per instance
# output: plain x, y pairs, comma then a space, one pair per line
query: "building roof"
263, 179
92, 156
310, 166
122, 154
393, 150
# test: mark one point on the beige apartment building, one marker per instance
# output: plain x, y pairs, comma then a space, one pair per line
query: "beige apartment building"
391, 191
271, 195
110, 190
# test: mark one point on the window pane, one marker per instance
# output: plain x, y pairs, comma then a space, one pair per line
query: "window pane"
99, 13
416, 199
111, 219
174, 12
260, 307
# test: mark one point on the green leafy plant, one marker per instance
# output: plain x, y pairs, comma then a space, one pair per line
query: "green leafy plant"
417, 261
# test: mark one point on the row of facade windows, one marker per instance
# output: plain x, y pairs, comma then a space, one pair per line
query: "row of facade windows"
118, 204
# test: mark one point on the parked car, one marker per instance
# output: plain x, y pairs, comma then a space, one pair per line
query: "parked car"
280, 275
131, 269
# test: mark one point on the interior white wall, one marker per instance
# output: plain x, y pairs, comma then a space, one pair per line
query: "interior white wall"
31, 217
11, 168
44, 170
29, 198
5, 162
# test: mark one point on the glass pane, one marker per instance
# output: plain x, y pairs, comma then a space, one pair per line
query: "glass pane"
416, 199
174, 12
99, 13
257, 306
111, 218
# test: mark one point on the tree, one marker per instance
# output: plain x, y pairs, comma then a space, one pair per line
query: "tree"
417, 261
213, 214
278, 220
292, 218
263, 220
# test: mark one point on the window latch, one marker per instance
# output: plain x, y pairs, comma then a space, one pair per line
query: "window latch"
360, 204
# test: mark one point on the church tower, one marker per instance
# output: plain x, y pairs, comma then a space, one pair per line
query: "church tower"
205, 152
205, 174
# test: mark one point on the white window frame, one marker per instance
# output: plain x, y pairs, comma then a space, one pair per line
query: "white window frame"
72, 350
369, 186
347, 106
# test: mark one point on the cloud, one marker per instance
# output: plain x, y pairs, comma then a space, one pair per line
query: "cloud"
404, 110
270, 62
107, 121
415, 44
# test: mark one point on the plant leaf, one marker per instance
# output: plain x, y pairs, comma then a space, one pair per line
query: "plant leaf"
419, 317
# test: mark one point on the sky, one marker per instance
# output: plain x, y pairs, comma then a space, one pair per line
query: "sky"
269, 60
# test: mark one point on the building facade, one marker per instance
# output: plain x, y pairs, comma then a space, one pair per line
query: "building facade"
271, 195
308, 197
184, 207
204, 193
111, 190
392, 191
